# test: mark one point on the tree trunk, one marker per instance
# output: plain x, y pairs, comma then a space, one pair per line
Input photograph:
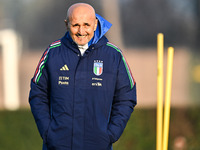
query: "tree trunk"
112, 14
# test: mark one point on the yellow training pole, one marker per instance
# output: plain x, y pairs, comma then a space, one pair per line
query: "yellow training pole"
168, 97
160, 50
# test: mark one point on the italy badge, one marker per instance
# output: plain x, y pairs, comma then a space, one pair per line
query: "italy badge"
98, 68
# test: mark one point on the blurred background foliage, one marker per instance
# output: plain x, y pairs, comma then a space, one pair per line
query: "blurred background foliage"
18, 130
42, 21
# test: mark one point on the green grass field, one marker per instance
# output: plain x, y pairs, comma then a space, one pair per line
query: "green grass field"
18, 130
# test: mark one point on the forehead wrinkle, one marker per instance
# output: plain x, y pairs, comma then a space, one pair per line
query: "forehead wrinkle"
81, 19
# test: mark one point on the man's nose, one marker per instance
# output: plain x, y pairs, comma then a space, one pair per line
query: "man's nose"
81, 30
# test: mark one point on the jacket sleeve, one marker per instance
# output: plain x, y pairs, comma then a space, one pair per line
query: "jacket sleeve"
124, 101
39, 97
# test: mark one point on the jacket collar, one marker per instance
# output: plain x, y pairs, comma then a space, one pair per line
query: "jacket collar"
73, 46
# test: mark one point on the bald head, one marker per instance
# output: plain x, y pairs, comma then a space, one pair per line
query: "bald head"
81, 23
80, 8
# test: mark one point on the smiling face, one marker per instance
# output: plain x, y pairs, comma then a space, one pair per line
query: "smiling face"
81, 23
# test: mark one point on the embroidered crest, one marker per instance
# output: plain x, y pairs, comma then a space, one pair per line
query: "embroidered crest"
98, 67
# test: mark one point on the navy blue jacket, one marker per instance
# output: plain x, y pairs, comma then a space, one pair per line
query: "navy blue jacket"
82, 102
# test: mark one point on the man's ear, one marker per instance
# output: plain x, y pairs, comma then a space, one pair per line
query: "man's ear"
96, 23
66, 23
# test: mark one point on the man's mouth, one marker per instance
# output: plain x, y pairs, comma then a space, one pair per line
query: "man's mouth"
81, 36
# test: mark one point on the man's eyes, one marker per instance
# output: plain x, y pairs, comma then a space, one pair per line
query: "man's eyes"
77, 25
86, 24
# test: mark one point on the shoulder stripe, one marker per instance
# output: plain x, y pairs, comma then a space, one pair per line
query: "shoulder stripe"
40, 66
131, 79
56, 43
43, 60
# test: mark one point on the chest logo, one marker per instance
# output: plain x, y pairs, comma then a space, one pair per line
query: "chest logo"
64, 68
98, 67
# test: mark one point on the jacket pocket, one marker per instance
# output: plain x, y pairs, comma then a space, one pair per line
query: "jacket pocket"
96, 139
46, 133
59, 134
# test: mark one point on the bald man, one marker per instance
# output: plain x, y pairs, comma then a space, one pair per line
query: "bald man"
81, 22
82, 93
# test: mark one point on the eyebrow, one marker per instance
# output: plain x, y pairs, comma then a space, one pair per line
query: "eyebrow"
76, 24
